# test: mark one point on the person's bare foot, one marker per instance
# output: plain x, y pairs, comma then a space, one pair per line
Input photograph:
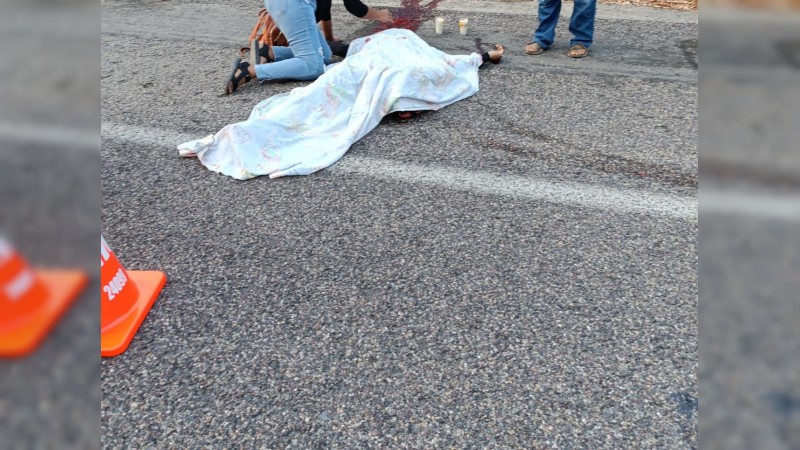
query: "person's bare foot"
405, 115
497, 54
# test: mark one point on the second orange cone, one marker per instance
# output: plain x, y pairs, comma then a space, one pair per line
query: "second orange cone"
31, 301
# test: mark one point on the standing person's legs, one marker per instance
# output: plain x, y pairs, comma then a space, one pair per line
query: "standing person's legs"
581, 25
549, 11
308, 49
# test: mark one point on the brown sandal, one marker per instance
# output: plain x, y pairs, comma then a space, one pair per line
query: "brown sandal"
578, 51
534, 48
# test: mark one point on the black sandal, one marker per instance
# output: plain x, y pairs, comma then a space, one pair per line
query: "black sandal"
264, 52
234, 81
257, 52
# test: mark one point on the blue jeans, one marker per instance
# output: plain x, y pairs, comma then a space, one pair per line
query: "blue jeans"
581, 25
307, 54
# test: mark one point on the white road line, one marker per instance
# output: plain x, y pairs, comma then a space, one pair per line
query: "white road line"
783, 206
479, 182
40, 134
713, 200
157, 137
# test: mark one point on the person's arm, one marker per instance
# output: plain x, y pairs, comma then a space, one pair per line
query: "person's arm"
323, 12
323, 16
327, 29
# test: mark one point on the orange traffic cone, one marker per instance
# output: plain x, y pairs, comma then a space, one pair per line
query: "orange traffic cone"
125, 299
31, 301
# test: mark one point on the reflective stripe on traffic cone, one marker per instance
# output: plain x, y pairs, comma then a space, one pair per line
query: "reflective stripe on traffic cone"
31, 301
125, 299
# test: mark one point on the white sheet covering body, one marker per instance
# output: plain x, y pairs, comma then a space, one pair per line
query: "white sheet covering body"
310, 128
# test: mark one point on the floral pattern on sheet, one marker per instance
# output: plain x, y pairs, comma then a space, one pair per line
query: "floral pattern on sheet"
312, 127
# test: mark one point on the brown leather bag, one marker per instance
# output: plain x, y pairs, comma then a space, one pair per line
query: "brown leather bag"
266, 31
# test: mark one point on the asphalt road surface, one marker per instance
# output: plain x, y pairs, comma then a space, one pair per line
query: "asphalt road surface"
750, 209
517, 270
49, 210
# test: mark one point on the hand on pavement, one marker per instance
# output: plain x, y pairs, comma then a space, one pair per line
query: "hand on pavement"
383, 15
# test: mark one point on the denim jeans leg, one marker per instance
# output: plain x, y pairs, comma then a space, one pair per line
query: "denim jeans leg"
296, 20
282, 53
326, 48
549, 11
581, 25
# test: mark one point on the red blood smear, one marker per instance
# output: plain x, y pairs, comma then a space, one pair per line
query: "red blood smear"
410, 15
